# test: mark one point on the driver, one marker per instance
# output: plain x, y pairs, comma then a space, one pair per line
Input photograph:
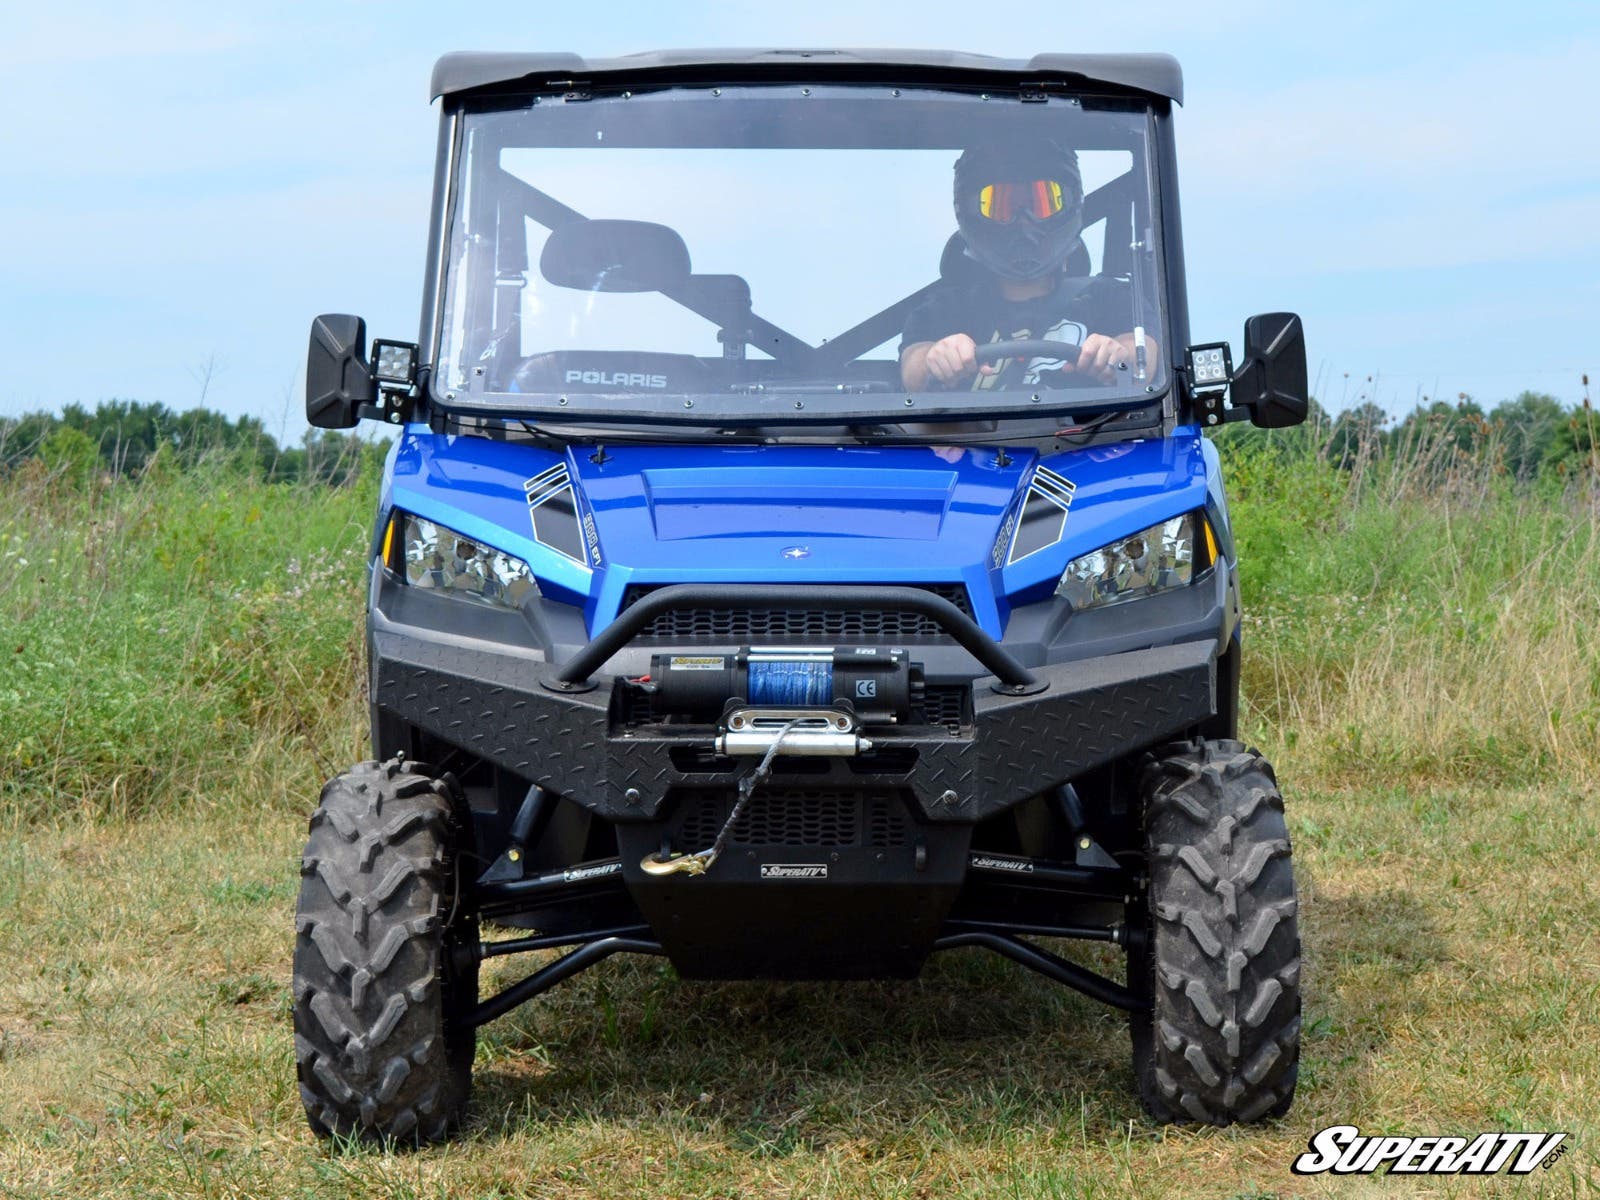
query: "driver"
1020, 209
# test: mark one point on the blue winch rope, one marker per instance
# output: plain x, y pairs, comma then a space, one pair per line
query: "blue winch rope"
791, 682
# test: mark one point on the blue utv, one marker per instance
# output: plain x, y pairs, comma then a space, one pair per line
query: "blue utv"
801, 554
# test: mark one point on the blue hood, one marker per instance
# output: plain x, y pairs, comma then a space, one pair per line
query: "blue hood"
788, 514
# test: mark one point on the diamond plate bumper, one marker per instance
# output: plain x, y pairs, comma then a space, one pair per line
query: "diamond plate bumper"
487, 701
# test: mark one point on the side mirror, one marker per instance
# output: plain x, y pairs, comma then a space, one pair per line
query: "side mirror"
615, 256
1272, 384
338, 380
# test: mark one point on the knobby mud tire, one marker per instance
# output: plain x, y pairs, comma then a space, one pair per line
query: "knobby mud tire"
1221, 967
381, 1049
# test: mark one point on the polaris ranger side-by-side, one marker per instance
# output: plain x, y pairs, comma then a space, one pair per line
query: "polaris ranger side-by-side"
800, 555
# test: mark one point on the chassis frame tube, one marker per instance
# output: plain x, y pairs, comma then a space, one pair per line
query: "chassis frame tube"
1001, 870
576, 878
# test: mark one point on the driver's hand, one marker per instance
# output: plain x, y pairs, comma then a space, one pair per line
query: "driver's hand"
1101, 356
952, 359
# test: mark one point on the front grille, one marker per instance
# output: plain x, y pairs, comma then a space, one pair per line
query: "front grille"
791, 816
730, 626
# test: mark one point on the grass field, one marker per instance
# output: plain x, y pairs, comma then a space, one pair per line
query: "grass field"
1422, 666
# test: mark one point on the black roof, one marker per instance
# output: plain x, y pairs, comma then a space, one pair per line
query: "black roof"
1153, 74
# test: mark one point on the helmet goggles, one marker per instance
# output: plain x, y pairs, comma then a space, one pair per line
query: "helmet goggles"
1039, 198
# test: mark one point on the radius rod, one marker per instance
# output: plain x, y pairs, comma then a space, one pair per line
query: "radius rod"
1049, 965
565, 967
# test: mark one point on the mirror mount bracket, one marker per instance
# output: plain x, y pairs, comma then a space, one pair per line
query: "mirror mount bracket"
1209, 410
396, 406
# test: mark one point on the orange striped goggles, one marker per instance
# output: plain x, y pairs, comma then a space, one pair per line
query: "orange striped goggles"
1005, 202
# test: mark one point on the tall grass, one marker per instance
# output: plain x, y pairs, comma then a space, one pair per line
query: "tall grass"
167, 635
1419, 613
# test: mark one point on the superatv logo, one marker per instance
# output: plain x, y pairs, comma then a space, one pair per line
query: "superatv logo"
990, 862
621, 379
1344, 1150
577, 873
794, 870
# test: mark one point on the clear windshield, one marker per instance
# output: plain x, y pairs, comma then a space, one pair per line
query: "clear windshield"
780, 253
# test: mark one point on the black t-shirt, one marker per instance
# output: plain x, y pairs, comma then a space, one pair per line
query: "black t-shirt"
1069, 313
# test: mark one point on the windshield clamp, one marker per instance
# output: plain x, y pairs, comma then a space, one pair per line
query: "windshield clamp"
1036, 91
573, 89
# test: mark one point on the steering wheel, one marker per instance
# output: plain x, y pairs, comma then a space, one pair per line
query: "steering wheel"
1038, 348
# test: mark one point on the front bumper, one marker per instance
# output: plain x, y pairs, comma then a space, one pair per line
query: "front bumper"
485, 697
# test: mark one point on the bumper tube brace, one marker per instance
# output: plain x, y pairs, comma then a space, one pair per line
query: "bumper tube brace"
1011, 677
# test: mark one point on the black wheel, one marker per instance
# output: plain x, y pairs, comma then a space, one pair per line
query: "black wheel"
381, 1045
1220, 962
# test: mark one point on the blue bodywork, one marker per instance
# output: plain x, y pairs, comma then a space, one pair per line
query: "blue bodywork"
790, 514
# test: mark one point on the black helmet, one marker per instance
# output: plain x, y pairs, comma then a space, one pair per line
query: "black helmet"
1020, 206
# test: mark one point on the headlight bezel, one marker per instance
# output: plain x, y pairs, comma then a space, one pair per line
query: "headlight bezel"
1170, 555
428, 556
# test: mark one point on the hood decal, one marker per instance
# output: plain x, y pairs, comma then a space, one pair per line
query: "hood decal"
553, 506
1043, 520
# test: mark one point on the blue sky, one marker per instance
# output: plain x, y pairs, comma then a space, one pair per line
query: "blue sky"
187, 184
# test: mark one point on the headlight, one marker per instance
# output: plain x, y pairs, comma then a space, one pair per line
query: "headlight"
1152, 560
440, 558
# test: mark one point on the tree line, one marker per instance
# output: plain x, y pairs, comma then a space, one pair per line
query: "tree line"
125, 437
1530, 436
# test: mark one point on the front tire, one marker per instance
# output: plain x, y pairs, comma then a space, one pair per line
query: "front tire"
382, 1047
1221, 961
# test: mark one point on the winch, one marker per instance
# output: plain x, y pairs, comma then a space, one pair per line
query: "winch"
878, 684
